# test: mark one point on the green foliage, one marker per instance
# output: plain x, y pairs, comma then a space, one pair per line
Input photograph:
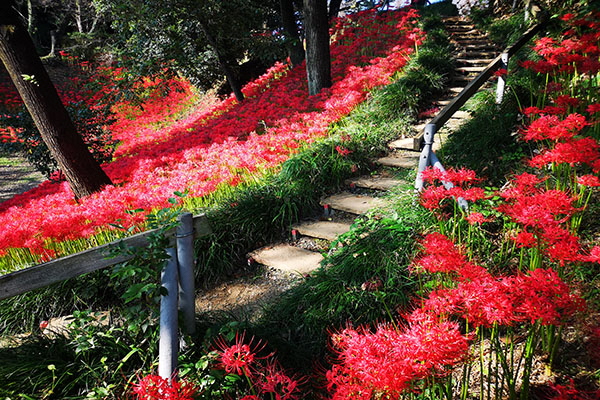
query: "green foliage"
365, 280
190, 37
90, 124
484, 143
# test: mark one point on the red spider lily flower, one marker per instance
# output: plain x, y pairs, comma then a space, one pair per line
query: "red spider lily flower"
553, 128
594, 255
274, 381
432, 197
567, 17
531, 111
567, 101
544, 209
388, 360
154, 387
588, 180
501, 72
572, 151
476, 218
342, 151
542, 295
441, 255
250, 397
593, 108
526, 239
239, 358
554, 110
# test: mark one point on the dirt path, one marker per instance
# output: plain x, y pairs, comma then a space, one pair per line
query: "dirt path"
16, 176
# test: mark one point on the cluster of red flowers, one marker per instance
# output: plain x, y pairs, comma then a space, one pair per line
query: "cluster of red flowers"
213, 144
387, 362
484, 300
455, 183
577, 52
263, 373
153, 387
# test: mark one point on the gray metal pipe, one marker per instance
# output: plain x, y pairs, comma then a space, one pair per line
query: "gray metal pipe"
185, 262
501, 80
168, 344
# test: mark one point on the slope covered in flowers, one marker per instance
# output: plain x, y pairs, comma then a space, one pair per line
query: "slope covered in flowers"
215, 146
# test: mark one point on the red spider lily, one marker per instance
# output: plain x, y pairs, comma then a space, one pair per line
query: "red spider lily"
594, 255
553, 128
576, 151
501, 72
543, 209
240, 357
388, 361
154, 387
209, 146
476, 218
342, 151
588, 180
276, 383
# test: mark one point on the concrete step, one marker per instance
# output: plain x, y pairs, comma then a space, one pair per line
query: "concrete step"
473, 61
468, 70
376, 182
399, 161
328, 230
287, 258
353, 203
461, 115
477, 54
455, 90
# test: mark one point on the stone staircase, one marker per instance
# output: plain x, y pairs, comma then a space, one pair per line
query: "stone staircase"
302, 253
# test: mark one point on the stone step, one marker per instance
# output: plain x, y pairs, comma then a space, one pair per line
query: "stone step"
468, 70
287, 258
473, 61
399, 161
478, 54
353, 203
461, 115
328, 230
377, 182
472, 41
455, 90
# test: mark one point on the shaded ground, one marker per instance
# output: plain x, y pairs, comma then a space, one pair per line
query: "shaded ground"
16, 176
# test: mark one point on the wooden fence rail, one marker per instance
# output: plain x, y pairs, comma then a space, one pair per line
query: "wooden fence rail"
71, 266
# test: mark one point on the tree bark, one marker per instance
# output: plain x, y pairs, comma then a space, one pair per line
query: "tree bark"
318, 58
17, 52
229, 73
334, 8
293, 42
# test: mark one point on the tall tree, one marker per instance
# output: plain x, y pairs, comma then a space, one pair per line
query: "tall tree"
290, 28
18, 54
318, 57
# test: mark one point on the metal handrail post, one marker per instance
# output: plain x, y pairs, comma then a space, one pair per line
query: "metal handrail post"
501, 79
425, 158
168, 344
185, 263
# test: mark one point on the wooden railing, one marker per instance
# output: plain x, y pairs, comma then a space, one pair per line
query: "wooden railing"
71, 266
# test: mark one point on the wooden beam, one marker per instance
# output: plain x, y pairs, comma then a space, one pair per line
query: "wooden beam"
71, 266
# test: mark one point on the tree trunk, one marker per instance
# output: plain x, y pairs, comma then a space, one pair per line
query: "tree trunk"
293, 42
229, 74
17, 52
334, 8
318, 58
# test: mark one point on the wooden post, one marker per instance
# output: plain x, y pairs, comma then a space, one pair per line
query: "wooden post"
185, 262
168, 345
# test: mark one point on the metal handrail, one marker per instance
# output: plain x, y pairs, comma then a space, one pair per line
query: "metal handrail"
424, 142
